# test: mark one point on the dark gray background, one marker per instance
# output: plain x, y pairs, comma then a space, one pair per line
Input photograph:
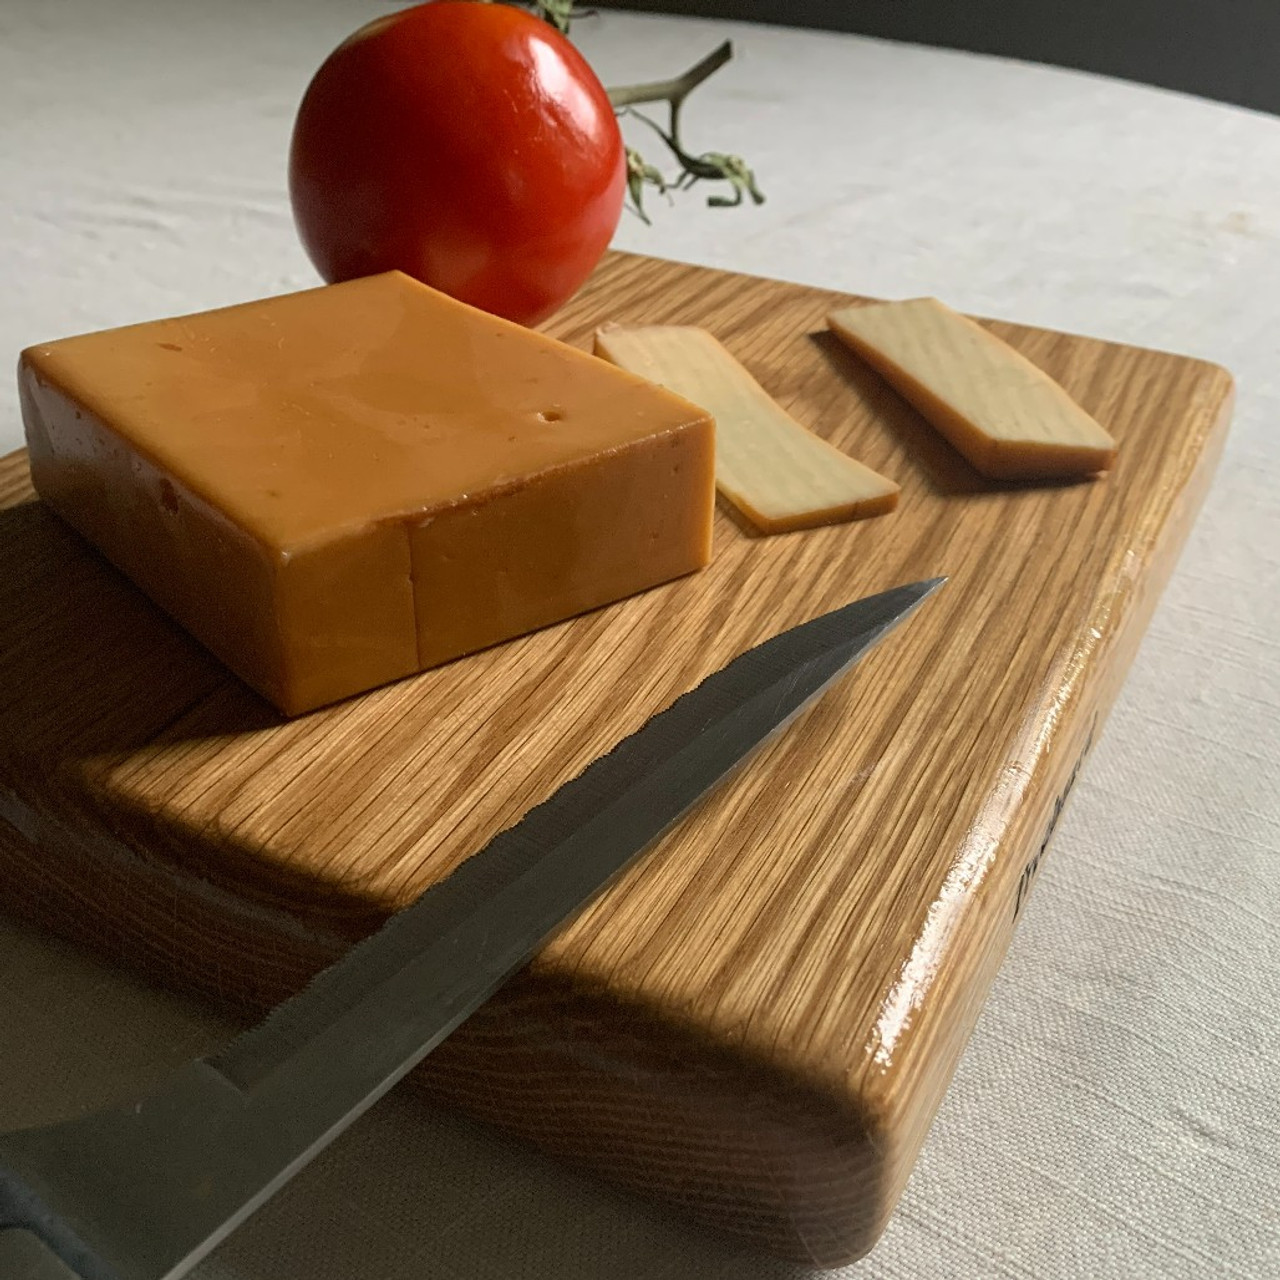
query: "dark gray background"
1224, 49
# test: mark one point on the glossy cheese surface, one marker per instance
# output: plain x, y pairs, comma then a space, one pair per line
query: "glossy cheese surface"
335, 488
1006, 416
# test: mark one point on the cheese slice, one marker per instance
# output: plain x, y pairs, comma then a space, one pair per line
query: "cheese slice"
336, 488
1005, 415
778, 474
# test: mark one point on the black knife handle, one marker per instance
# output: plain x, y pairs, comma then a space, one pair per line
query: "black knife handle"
34, 1243
24, 1256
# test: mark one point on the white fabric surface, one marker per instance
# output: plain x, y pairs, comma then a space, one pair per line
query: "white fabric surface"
1118, 1110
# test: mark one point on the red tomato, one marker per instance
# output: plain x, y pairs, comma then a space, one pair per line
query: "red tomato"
467, 144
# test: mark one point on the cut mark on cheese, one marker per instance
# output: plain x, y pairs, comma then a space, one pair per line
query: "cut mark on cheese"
780, 475
1003, 413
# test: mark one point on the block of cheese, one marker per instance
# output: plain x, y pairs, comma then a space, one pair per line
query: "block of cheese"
774, 470
1005, 415
337, 488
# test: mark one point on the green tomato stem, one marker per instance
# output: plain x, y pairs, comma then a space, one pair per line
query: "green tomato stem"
672, 91
711, 166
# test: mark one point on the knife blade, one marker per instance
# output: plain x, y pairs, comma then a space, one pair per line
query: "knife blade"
144, 1191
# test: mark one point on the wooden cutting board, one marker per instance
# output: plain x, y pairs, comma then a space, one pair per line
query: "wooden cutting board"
758, 1021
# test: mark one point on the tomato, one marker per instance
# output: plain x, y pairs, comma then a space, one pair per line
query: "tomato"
467, 144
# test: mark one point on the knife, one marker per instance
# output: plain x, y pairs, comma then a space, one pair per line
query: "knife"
144, 1191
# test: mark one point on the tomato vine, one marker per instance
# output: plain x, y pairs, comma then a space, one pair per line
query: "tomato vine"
707, 166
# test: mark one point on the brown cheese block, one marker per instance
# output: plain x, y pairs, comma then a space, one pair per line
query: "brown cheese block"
1005, 415
336, 488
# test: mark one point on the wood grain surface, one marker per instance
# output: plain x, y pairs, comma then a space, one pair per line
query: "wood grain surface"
757, 1023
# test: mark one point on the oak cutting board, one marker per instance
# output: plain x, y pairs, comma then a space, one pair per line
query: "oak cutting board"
759, 1020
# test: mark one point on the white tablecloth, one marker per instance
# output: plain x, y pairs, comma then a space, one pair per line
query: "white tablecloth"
1118, 1110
